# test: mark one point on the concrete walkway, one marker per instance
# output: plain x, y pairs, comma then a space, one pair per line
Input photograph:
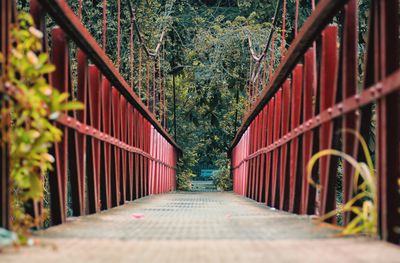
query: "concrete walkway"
197, 227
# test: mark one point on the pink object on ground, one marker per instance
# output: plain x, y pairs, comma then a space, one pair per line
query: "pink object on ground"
137, 216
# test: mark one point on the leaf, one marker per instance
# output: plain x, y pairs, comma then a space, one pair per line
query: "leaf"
328, 152
48, 68
364, 146
43, 57
351, 227
366, 216
72, 105
60, 97
36, 188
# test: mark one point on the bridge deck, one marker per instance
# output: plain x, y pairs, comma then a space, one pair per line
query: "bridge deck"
198, 227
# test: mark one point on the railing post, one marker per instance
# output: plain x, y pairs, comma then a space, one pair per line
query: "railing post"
308, 191
295, 153
275, 154
106, 196
6, 8
58, 178
328, 87
284, 173
385, 26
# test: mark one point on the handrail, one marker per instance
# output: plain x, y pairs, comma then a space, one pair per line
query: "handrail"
377, 91
71, 24
316, 102
111, 152
95, 133
323, 14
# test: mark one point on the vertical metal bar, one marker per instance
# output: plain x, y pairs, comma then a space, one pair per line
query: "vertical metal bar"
254, 160
38, 15
349, 86
308, 191
143, 172
157, 166
146, 144
94, 111
5, 22
137, 157
258, 158
124, 157
115, 105
284, 172
386, 25
249, 163
275, 153
329, 70
158, 143
154, 164
58, 178
271, 112
264, 115
151, 175
106, 122
140, 158
295, 181
244, 168
131, 168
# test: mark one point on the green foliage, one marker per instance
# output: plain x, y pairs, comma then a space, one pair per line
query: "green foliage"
207, 38
222, 179
365, 186
184, 180
31, 104
210, 41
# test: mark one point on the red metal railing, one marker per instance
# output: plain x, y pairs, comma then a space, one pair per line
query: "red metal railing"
113, 151
313, 94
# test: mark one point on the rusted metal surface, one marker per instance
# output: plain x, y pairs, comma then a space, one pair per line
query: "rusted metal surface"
315, 93
104, 158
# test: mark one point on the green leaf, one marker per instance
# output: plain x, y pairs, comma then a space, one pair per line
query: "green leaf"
72, 105
48, 68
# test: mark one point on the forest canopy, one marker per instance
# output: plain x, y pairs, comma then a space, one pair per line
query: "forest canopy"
208, 42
